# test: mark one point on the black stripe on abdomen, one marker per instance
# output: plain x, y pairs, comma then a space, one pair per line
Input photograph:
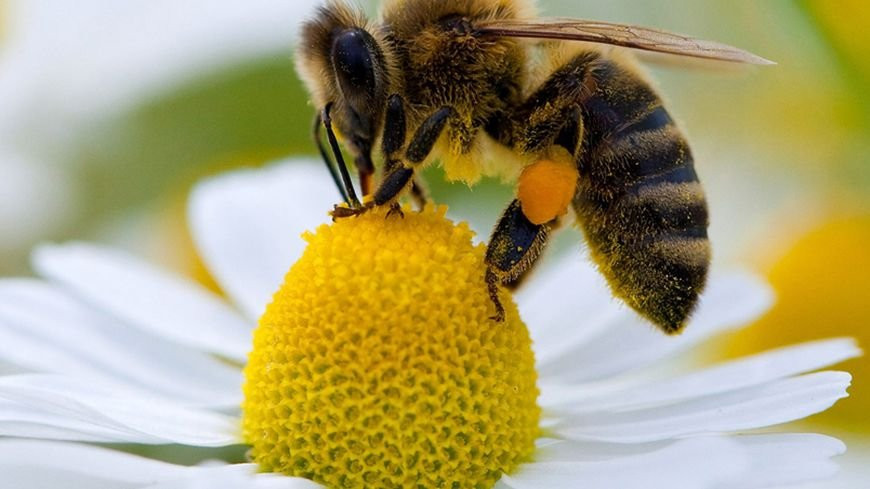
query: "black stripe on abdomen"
662, 209
658, 118
631, 161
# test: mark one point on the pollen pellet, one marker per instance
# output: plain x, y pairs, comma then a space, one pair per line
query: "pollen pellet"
545, 189
376, 364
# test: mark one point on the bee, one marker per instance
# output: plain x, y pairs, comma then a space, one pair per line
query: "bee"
486, 88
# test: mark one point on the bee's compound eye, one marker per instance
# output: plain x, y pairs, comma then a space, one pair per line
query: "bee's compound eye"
352, 59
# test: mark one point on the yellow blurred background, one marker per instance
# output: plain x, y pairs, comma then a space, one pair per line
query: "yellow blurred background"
109, 111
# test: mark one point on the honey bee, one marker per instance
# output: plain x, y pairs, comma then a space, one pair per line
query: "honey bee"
566, 112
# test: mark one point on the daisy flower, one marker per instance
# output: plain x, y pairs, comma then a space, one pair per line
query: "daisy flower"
375, 365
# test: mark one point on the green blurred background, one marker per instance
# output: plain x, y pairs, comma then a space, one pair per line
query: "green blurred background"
110, 111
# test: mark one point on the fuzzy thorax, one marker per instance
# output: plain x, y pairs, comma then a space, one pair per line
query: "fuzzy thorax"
376, 364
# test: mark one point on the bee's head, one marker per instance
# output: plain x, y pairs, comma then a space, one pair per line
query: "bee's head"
342, 61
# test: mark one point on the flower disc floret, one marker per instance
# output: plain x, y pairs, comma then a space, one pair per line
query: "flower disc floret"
377, 363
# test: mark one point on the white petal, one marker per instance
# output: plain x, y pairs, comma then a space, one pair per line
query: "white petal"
22, 422
781, 459
277, 481
28, 464
853, 473
630, 343
31, 464
237, 476
753, 370
52, 401
566, 303
247, 225
686, 464
764, 460
223, 476
44, 329
749, 408
149, 298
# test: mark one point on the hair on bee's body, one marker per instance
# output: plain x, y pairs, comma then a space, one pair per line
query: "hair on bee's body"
577, 123
444, 63
638, 201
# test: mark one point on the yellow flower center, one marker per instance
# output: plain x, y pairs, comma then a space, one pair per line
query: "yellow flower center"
376, 364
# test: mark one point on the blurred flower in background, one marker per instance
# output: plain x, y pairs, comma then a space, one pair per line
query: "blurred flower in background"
95, 111
110, 110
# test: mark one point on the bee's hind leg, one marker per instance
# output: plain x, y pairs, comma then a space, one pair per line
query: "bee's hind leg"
515, 245
554, 226
544, 191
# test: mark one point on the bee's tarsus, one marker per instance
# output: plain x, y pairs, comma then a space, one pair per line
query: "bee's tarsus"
492, 284
341, 212
395, 210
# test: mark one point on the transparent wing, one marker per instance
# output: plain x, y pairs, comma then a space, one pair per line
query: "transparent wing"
630, 36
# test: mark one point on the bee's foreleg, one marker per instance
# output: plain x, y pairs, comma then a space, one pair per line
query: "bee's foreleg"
315, 133
514, 246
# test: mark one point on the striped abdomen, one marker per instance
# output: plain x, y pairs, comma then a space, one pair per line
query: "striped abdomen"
639, 200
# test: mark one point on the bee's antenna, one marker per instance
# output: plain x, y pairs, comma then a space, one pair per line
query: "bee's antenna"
352, 200
327, 160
